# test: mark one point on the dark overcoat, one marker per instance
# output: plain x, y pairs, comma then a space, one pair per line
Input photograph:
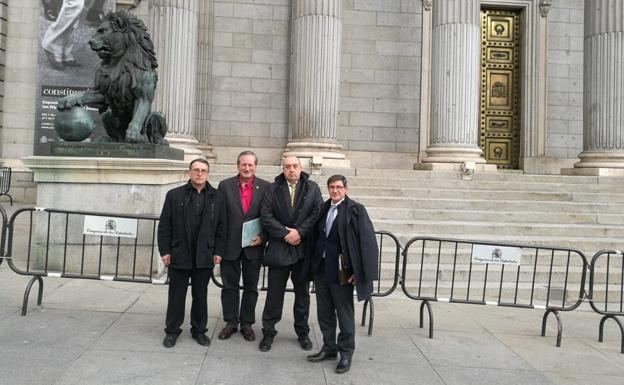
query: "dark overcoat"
358, 242
174, 235
235, 217
277, 214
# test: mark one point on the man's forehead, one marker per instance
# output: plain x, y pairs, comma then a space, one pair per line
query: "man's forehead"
290, 161
337, 183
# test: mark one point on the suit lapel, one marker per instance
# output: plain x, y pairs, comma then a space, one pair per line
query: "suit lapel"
255, 195
236, 194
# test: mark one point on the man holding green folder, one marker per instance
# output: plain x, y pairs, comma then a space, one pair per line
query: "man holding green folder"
243, 195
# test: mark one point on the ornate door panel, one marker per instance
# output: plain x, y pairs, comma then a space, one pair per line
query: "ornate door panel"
500, 93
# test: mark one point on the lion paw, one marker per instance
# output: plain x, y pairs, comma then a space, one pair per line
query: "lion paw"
134, 137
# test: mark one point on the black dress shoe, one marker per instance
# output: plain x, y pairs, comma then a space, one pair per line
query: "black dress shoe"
170, 340
343, 365
305, 342
265, 344
201, 339
248, 333
322, 355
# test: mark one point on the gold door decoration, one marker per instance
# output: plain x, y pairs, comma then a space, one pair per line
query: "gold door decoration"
500, 71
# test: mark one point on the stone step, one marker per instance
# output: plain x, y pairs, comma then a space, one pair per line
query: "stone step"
469, 203
467, 229
497, 185
381, 213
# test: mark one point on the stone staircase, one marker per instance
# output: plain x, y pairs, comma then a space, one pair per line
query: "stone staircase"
582, 213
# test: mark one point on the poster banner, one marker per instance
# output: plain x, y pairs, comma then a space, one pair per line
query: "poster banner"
66, 64
496, 254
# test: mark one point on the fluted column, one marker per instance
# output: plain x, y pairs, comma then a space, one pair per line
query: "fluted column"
454, 84
314, 81
174, 28
204, 84
603, 87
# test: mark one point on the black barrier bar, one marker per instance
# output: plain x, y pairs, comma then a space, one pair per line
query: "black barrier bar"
3, 235
603, 306
478, 276
58, 238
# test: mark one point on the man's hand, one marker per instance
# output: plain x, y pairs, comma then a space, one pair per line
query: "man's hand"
293, 237
256, 241
217, 259
351, 279
166, 259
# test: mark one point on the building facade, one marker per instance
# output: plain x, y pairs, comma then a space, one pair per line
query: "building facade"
533, 85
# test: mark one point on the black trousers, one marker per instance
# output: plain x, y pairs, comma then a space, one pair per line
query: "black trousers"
178, 285
335, 301
245, 315
272, 314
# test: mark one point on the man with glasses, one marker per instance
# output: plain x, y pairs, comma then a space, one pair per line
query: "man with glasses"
345, 257
191, 239
289, 211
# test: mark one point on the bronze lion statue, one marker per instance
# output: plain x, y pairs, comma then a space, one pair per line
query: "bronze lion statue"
124, 83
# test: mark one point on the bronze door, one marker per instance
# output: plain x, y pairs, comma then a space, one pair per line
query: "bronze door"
500, 94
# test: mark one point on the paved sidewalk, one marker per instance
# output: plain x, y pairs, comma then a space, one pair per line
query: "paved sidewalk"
97, 332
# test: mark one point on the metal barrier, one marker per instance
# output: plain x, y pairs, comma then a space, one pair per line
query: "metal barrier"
3, 233
378, 290
5, 182
611, 262
57, 246
546, 278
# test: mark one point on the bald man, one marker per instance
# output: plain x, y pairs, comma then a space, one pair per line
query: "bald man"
289, 211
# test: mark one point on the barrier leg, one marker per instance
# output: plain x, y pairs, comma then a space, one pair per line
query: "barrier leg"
422, 307
559, 325
364, 312
601, 329
371, 318
27, 293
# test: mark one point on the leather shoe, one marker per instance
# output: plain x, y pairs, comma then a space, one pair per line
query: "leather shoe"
305, 342
322, 355
201, 339
170, 340
343, 365
58, 65
265, 344
248, 333
227, 332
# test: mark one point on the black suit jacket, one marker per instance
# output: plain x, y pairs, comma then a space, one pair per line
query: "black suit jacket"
174, 235
236, 217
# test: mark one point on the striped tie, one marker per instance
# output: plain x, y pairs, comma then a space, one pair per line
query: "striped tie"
293, 190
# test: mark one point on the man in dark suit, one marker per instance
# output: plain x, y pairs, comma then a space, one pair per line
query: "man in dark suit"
243, 195
346, 256
289, 211
191, 237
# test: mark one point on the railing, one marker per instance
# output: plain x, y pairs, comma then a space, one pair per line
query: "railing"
537, 277
5, 182
58, 244
3, 235
607, 273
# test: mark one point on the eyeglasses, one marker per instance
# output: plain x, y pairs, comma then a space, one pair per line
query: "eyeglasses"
199, 171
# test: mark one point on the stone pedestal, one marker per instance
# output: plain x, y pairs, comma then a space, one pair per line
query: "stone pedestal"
603, 90
315, 82
454, 86
99, 185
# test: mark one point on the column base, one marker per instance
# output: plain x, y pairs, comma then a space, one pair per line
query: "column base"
318, 154
186, 143
600, 159
206, 150
453, 158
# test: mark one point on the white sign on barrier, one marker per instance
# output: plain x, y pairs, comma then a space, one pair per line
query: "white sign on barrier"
496, 254
110, 226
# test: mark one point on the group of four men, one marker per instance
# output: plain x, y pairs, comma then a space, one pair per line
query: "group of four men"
332, 243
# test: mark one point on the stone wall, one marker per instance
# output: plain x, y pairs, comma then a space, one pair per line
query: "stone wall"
565, 79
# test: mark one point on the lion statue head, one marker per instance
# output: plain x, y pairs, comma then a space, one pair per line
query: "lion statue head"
123, 38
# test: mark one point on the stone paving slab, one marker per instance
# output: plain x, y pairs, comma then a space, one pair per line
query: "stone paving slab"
92, 332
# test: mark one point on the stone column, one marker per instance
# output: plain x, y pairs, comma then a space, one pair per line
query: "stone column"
204, 84
174, 29
314, 81
454, 86
603, 90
